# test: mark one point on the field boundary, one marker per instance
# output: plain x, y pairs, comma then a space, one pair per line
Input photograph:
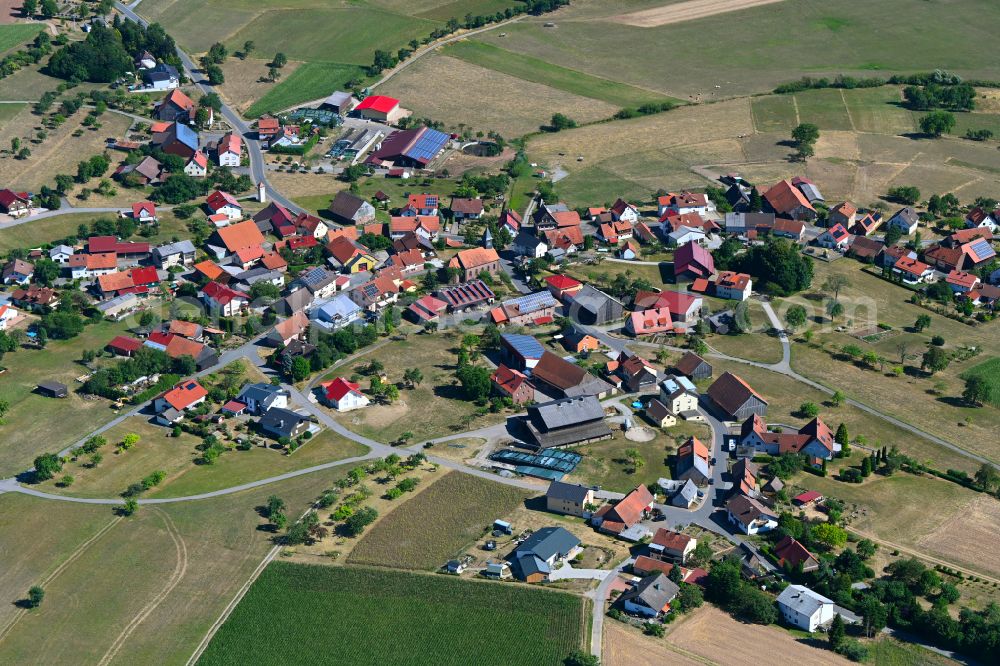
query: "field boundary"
923, 556
685, 11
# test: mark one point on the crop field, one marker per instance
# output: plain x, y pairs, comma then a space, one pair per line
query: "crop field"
866, 146
443, 88
158, 450
390, 616
554, 76
435, 525
627, 646
58, 153
311, 80
990, 371
15, 34
776, 43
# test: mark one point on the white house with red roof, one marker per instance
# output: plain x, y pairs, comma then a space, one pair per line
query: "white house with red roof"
732, 285
623, 211
220, 297
685, 202
834, 238
197, 165
8, 315
343, 395
962, 282
421, 204
912, 270
229, 150
144, 212
171, 405
224, 203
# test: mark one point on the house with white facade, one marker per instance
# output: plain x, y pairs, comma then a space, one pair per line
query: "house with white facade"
805, 609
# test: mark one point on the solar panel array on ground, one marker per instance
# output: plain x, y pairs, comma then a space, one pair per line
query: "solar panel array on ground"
546, 464
427, 146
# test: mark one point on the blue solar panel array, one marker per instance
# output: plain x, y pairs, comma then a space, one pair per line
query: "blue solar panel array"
983, 249
532, 302
427, 146
525, 345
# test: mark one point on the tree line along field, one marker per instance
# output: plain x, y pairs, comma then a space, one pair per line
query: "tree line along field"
877, 150
772, 44
310, 614
436, 524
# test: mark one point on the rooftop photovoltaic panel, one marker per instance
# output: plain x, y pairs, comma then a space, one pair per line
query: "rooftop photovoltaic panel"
427, 146
982, 248
532, 302
525, 345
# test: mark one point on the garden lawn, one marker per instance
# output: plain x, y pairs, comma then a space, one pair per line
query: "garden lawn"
435, 408
437, 523
604, 463
36, 424
554, 76
158, 450
390, 616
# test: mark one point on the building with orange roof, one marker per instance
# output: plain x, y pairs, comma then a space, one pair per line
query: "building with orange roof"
229, 150
786, 200
209, 269
235, 237
171, 405
513, 384
693, 462
621, 518
175, 107
475, 261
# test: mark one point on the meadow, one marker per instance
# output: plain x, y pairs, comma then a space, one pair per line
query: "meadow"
436, 524
309, 81
390, 616
160, 578
773, 44
15, 34
989, 370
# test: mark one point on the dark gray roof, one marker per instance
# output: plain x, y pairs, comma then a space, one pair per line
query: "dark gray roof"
572, 492
345, 205
316, 278
281, 420
547, 542
686, 495
592, 299
654, 591
260, 392
566, 412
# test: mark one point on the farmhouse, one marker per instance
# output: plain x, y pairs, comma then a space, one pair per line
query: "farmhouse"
735, 397
177, 139
463, 297
649, 322
684, 307
569, 498
567, 422
175, 107
691, 260
426, 227
537, 556
521, 352
15, 204
475, 261
380, 108
349, 209
512, 384
785, 200
414, 148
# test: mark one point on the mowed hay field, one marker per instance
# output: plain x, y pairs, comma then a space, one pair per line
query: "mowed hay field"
310, 614
158, 579
58, 153
894, 510
752, 50
457, 93
432, 527
866, 145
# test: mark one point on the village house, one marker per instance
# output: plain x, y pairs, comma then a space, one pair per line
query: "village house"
283, 423
529, 245
466, 209
904, 219
805, 609
867, 223
793, 556
749, 515
623, 518
15, 204
680, 396
962, 282
631, 372
815, 439
733, 286
613, 233
542, 552
670, 546
427, 227
177, 139
229, 150
284, 332
85, 266
18, 271
228, 302
511, 221
659, 414
685, 308
571, 499
343, 395
197, 165
350, 256
912, 270
61, 254
785, 200
735, 398
865, 249
161, 77
845, 214
563, 286
144, 212
35, 298
693, 366
834, 238
513, 384
979, 218
8, 315
649, 322
346, 208
471, 263
622, 211
147, 171
691, 261
175, 107
335, 313
683, 203
580, 342
650, 597
744, 475
224, 203
261, 397
693, 462
170, 406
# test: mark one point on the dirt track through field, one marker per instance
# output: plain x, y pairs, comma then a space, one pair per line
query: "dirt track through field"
685, 11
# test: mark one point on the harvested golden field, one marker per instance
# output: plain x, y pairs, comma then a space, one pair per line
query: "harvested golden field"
58, 153
700, 634
627, 646
961, 539
459, 94
243, 85
685, 11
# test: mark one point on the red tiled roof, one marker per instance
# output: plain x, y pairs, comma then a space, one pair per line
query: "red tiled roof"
125, 344
562, 282
806, 497
784, 197
338, 388
221, 294
629, 510
185, 394
218, 199
240, 235
147, 206
379, 103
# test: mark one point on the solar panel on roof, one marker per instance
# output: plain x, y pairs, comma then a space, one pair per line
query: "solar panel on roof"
982, 248
525, 345
427, 146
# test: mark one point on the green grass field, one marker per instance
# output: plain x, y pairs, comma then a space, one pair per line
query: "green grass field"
774, 113
435, 525
8, 111
310, 81
15, 34
990, 371
379, 617
824, 108
562, 78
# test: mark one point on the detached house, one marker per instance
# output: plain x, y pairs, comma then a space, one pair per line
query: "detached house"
224, 203
229, 150
197, 166
536, 557
805, 609
786, 200
794, 556
15, 204
905, 219
622, 211
343, 395
475, 261
834, 238
350, 256
735, 398
623, 518
513, 384
670, 546
911, 270
685, 202
651, 596
750, 516
18, 271
421, 204
281, 423
466, 209
568, 498
170, 406
175, 107
144, 212
426, 227
228, 302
